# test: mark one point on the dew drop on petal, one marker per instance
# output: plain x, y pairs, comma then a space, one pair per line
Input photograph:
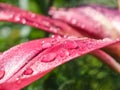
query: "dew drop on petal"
74, 21
2, 73
18, 80
28, 71
65, 36
106, 40
56, 36
70, 44
54, 28
17, 18
46, 23
49, 57
23, 21
46, 45
63, 52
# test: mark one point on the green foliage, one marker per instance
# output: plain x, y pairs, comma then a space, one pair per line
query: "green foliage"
84, 73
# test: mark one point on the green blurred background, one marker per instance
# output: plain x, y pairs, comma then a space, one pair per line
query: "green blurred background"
84, 73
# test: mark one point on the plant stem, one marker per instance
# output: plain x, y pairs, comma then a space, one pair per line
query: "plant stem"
110, 61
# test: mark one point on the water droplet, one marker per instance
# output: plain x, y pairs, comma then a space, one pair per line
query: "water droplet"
23, 21
49, 57
17, 18
56, 36
63, 52
46, 23
71, 37
54, 29
46, 45
65, 36
74, 21
2, 73
18, 80
28, 71
70, 44
43, 42
106, 39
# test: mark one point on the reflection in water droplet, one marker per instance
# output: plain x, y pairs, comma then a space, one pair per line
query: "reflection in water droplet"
23, 21
17, 18
28, 71
2, 73
70, 44
49, 57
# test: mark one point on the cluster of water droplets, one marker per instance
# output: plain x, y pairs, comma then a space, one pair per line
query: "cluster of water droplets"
19, 18
62, 51
70, 44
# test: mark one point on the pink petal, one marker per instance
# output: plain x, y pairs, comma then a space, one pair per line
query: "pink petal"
25, 63
95, 21
13, 14
16, 57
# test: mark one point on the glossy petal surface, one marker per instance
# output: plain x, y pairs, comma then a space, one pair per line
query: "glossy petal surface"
27, 62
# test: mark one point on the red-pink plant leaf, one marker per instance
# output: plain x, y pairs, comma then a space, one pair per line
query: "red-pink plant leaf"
95, 21
25, 63
13, 14
18, 56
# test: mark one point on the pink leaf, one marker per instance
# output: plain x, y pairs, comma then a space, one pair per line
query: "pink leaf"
94, 21
25, 63
13, 14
